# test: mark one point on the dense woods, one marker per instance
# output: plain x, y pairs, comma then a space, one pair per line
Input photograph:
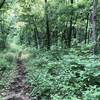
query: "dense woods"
44, 24
53, 45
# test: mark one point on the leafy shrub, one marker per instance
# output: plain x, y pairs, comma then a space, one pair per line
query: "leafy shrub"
5, 71
3, 64
9, 57
63, 76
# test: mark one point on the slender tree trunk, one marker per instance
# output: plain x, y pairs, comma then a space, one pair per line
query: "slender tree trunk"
4, 36
36, 34
64, 36
74, 28
94, 25
86, 34
36, 38
88, 38
47, 26
71, 29
56, 38
74, 32
2, 3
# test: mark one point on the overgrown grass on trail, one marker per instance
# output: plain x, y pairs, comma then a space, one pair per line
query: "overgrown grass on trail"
63, 75
7, 67
7, 71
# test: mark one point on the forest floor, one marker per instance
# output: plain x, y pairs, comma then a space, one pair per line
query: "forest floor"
18, 89
49, 75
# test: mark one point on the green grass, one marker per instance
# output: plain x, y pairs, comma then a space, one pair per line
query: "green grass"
7, 70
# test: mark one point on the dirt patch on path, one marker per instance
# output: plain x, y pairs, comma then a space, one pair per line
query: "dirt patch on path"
18, 89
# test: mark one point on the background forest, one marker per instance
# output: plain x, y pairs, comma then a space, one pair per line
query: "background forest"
59, 44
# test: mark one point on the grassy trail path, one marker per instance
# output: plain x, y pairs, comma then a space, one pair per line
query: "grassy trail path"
18, 89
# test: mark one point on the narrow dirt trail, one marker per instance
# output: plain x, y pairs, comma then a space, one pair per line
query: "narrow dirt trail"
18, 89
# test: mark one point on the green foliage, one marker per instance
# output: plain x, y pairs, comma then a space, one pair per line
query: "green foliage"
71, 77
9, 57
6, 68
60, 73
2, 41
92, 92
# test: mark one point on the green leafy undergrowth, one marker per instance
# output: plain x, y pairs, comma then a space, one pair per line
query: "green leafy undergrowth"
63, 75
7, 70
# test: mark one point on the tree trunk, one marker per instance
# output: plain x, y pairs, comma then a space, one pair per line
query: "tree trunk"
47, 26
86, 34
64, 36
94, 26
36, 34
71, 29
3, 34
36, 38
2, 3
